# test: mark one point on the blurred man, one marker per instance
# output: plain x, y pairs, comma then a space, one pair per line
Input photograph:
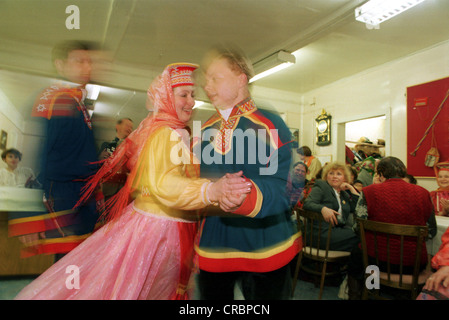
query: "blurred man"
67, 156
255, 243
296, 184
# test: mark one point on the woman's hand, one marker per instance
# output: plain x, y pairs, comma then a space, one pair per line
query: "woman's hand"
445, 205
348, 186
229, 189
441, 276
330, 216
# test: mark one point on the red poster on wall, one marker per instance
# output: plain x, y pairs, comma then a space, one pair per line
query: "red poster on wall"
427, 125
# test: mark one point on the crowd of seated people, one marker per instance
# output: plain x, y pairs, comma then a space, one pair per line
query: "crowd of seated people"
343, 192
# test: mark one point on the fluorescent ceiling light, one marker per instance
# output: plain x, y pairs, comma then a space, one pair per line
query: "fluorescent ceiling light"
273, 63
375, 12
197, 104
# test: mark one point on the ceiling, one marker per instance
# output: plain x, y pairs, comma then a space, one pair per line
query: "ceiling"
140, 37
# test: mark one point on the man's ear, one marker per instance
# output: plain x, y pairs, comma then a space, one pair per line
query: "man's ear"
243, 79
59, 65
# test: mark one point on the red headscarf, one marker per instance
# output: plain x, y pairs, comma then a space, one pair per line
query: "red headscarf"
164, 113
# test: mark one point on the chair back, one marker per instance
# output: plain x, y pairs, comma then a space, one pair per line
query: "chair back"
308, 221
391, 235
311, 224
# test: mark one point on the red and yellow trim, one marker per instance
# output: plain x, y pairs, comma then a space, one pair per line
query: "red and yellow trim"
53, 245
38, 223
266, 260
252, 204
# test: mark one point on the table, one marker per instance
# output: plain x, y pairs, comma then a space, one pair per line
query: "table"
434, 244
19, 199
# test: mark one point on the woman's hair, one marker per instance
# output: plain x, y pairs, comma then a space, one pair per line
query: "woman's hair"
391, 167
336, 166
16, 152
305, 150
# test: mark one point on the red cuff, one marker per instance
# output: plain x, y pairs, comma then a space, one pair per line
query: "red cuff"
252, 203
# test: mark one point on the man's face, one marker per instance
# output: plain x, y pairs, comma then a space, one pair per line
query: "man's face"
222, 84
300, 172
77, 67
124, 128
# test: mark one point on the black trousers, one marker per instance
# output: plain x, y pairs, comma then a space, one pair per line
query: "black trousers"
274, 285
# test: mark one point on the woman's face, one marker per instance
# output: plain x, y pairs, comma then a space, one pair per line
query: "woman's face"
12, 160
443, 179
184, 102
335, 178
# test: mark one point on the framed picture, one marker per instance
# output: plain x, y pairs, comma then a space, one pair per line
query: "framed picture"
323, 129
3, 140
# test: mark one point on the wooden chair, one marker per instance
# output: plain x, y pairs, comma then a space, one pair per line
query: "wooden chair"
400, 280
306, 221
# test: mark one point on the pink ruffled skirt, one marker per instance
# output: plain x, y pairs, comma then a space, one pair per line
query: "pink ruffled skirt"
140, 256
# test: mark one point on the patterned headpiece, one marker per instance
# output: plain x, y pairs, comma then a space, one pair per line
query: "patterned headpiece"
444, 165
181, 74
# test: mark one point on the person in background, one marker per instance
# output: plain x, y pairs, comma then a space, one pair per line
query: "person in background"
329, 197
437, 285
256, 247
410, 179
123, 128
15, 175
440, 196
67, 156
392, 200
313, 163
296, 183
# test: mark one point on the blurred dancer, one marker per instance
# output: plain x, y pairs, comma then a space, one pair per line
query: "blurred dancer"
254, 249
68, 149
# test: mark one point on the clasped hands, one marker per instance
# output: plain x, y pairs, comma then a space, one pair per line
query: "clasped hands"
445, 205
230, 191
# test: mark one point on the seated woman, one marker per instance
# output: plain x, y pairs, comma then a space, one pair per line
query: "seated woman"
440, 196
13, 175
329, 196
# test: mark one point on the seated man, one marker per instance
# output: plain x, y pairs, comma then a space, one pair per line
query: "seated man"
296, 184
393, 200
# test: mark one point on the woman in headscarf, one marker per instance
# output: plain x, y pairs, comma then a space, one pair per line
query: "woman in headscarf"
440, 196
145, 251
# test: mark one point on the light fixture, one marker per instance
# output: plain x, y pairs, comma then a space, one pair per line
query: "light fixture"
374, 12
197, 104
273, 63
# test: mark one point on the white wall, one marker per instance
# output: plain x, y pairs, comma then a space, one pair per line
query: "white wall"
378, 91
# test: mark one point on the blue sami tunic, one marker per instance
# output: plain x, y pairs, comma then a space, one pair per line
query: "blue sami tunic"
260, 236
69, 149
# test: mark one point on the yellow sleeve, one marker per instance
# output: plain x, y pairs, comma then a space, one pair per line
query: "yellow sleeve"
164, 176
